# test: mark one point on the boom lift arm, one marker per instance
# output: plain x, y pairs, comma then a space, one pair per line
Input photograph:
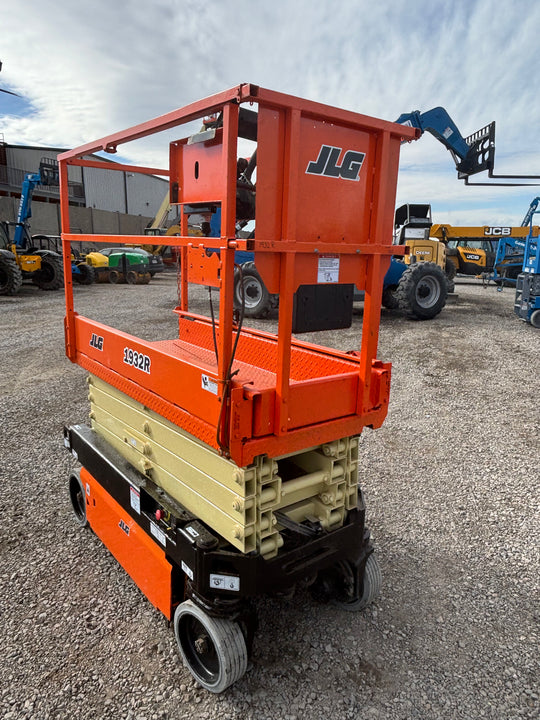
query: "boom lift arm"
530, 212
46, 175
472, 155
439, 123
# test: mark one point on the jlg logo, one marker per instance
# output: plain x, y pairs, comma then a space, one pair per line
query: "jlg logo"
96, 341
327, 163
497, 231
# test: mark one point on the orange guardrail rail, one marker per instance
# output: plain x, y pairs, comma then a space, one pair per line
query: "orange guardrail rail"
323, 206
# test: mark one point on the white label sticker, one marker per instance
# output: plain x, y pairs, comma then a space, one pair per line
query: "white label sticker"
328, 269
192, 531
187, 570
135, 499
208, 384
447, 132
137, 360
88, 489
158, 534
66, 441
225, 582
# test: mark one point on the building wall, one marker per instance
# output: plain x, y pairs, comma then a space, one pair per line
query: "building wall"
108, 190
45, 219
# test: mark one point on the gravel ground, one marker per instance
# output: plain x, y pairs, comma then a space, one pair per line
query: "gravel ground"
451, 484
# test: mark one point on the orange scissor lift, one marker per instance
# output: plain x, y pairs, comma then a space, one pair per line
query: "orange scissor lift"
223, 464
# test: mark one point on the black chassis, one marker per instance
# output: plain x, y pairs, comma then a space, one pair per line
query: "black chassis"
191, 544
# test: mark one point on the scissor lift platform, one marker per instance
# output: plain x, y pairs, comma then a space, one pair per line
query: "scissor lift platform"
223, 463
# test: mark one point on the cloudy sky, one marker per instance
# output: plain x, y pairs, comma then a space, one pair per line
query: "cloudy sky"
86, 70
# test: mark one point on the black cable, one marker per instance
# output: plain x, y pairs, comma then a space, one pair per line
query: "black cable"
229, 375
213, 322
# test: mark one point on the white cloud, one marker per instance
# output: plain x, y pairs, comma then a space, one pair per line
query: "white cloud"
92, 69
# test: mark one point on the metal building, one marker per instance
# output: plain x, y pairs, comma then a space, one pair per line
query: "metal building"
115, 191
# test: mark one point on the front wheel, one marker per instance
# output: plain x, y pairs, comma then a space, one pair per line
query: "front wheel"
422, 290
535, 318
251, 293
213, 649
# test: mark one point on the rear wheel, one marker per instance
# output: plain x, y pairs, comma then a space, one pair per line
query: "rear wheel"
78, 499
389, 300
10, 274
213, 649
86, 274
131, 277
422, 290
371, 586
51, 275
114, 277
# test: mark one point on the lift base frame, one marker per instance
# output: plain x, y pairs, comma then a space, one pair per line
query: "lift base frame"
171, 555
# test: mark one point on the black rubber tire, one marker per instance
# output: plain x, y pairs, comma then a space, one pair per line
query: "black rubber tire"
422, 290
114, 277
371, 587
450, 269
131, 277
213, 649
258, 302
77, 497
86, 274
535, 318
389, 300
10, 274
51, 275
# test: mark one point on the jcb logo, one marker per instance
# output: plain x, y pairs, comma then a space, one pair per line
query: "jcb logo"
498, 231
124, 526
327, 163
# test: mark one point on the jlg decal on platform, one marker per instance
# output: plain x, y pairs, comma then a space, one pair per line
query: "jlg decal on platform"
96, 341
137, 360
327, 163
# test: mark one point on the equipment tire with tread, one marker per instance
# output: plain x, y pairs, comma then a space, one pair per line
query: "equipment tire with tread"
10, 274
86, 274
422, 290
389, 300
51, 275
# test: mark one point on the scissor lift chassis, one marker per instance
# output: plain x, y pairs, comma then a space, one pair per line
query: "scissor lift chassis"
189, 551
223, 464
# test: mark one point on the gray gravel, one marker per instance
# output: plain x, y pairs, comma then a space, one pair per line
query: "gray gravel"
451, 483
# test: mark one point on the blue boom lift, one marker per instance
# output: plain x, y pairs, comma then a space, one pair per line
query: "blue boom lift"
527, 300
38, 256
